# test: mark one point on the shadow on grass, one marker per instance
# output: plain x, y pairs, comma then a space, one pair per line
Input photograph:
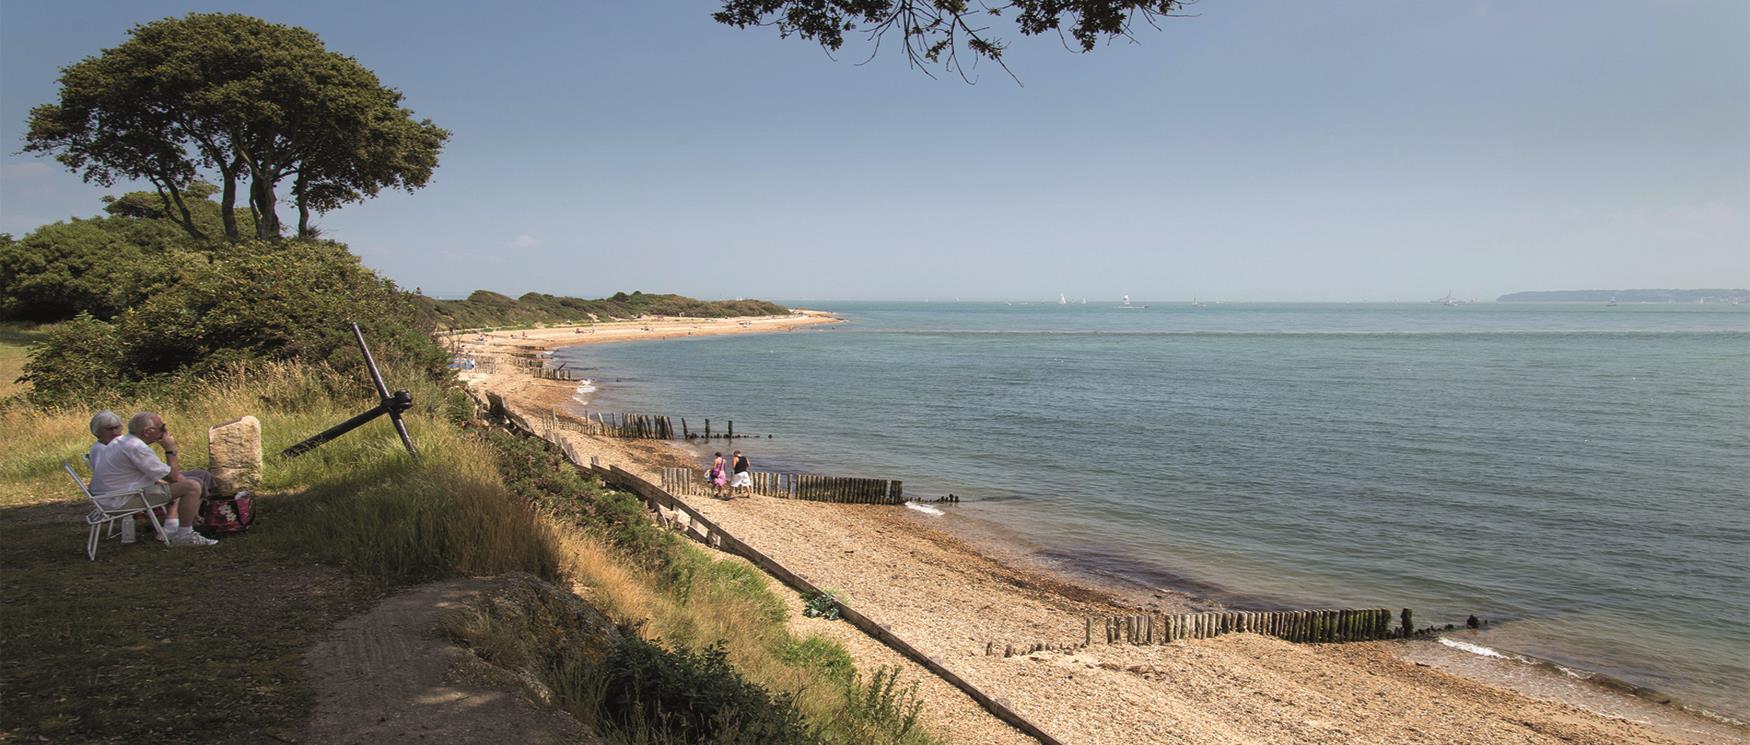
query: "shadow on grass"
20, 335
149, 643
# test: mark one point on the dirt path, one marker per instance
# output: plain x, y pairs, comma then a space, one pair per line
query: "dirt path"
388, 676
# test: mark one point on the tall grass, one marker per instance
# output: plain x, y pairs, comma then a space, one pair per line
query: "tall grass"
693, 603
477, 504
357, 501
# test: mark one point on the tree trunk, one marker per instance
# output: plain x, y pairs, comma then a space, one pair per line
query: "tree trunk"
303, 208
267, 221
228, 201
175, 194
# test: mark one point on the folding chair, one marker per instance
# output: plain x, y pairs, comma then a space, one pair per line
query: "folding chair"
102, 517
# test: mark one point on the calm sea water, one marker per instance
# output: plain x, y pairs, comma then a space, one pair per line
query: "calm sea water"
1578, 474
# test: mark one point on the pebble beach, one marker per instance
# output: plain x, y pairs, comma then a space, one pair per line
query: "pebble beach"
913, 573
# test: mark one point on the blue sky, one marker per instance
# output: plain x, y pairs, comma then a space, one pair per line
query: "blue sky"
1260, 150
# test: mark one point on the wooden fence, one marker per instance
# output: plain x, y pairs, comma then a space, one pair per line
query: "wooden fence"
806, 486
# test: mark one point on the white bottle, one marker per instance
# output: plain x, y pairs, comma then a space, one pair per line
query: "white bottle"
128, 529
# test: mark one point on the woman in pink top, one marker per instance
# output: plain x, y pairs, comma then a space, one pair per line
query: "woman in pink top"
719, 477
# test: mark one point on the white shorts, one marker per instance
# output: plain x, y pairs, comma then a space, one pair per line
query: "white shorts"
155, 495
741, 479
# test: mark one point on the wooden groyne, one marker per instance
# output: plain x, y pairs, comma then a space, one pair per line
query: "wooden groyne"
655, 427
1324, 626
805, 486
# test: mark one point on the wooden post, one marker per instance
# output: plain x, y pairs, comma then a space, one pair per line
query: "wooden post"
685, 435
731, 434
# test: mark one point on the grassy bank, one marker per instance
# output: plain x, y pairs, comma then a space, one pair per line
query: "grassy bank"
206, 644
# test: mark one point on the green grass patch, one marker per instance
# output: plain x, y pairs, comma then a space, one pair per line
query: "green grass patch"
15, 339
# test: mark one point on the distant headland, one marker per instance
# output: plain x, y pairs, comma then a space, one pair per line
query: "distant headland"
1628, 296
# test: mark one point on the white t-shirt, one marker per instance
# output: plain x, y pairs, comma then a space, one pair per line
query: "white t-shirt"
127, 463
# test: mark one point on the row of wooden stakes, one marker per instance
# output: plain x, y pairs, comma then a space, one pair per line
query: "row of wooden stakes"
1315, 626
806, 486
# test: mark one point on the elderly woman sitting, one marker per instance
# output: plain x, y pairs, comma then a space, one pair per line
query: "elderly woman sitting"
106, 425
127, 463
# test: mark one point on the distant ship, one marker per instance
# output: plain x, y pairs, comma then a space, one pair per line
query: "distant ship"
1448, 301
1197, 302
1061, 300
1612, 303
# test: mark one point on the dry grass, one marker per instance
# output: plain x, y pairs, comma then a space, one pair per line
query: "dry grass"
14, 337
335, 528
207, 644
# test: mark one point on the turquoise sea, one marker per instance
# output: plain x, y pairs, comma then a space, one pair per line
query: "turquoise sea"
1578, 475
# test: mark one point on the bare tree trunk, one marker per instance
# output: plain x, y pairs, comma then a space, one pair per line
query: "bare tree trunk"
168, 192
267, 220
228, 200
303, 208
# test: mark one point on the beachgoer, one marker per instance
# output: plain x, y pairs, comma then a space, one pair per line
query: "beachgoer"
718, 477
127, 464
741, 479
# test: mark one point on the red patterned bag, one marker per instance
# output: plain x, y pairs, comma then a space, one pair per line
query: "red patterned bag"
226, 516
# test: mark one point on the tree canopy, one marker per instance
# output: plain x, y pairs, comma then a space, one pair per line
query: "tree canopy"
256, 102
935, 31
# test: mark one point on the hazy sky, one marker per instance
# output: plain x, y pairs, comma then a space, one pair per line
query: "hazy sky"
1263, 150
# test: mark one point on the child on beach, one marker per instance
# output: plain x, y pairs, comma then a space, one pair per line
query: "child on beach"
718, 477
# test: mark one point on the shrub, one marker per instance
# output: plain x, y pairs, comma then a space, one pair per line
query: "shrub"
683, 696
259, 301
78, 361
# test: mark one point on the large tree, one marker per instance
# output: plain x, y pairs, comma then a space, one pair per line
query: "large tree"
935, 31
256, 102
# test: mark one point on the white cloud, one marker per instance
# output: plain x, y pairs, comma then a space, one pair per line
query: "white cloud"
526, 241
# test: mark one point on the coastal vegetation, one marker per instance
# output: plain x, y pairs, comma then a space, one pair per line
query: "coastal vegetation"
486, 309
179, 302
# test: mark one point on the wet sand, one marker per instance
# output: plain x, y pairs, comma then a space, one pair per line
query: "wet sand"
912, 573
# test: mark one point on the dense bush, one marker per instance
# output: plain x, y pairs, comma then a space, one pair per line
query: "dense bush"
103, 265
98, 266
252, 302
681, 696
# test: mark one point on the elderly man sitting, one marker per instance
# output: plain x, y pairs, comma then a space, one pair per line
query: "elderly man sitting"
127, 463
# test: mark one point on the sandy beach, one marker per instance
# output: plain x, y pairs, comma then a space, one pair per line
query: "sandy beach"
910, 572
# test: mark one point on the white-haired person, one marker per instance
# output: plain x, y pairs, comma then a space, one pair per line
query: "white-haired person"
106, 425
127, 463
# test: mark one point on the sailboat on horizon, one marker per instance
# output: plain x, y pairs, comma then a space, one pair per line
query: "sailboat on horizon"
1061, 300
1197, 301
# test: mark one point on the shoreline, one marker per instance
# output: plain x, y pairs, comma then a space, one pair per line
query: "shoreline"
1047, 604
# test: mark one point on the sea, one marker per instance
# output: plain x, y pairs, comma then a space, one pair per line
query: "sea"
1576, 476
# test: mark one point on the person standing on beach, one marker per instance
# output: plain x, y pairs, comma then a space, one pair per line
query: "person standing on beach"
742, 480
717, 476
